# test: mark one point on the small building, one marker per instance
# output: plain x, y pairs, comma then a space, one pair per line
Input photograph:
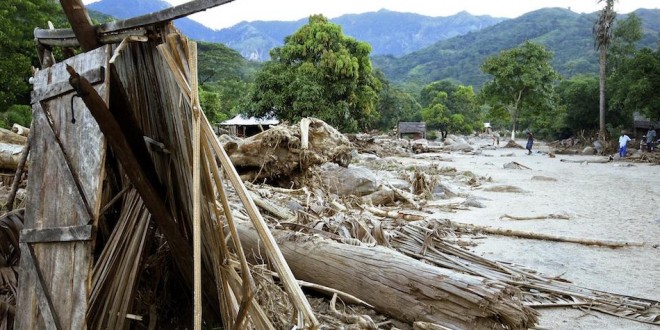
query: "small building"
642, 125
242, 126
411, 128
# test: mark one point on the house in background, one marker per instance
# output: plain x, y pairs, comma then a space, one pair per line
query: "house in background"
415, 129
242, 126
642, 125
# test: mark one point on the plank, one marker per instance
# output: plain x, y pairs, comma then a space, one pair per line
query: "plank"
158, 17
28, 263
59, 234
41, 94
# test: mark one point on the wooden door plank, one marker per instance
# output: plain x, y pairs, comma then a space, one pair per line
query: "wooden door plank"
58, 234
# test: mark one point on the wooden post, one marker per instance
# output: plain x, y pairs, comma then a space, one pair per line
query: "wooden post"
197, 231
85, 32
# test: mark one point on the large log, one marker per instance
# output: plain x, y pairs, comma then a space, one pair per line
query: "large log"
10, 156
10, 137
400, 286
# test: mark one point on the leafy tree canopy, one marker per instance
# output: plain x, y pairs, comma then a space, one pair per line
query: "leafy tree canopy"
522, 80
18, 19
450, 107
320, 73
395, 105
635, 86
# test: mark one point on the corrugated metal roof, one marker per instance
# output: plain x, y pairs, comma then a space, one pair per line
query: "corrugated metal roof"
243, 121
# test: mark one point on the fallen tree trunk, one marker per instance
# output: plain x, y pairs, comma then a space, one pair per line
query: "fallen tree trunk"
283, 151
10, 156
547, 237
10, 137
400, 286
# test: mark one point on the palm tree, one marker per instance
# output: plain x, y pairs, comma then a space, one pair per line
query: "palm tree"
602, 32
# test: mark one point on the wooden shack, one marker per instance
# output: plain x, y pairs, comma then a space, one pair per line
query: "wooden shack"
642, 124
126, 179
416, 130
243, 126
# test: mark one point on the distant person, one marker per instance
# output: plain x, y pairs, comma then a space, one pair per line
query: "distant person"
623, 144
530, 142
650, 138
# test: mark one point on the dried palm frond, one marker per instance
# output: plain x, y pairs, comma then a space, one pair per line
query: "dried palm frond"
11, 224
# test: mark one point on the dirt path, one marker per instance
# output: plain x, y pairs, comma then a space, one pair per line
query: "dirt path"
617, 201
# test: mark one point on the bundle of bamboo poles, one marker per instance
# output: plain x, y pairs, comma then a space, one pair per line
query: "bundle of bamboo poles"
158, 83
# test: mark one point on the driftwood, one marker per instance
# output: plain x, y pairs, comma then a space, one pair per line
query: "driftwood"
400, 286
283, 151
547, 237
20, 130
588, 161
537, 217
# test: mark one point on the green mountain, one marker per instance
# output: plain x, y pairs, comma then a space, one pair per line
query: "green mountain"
565, 33
388, 32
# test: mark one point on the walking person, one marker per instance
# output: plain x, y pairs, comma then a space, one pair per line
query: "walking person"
650, 138
530, 142
623, 144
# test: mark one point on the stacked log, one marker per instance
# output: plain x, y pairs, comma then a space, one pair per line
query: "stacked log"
11, 148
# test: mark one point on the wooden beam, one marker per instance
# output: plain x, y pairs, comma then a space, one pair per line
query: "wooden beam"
66, 37
57, 234
85, 32
127, 153
158, 17
94, 76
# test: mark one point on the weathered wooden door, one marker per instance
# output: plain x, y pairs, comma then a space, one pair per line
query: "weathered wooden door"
64, 195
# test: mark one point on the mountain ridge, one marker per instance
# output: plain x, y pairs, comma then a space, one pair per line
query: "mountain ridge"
565, 33
389, 32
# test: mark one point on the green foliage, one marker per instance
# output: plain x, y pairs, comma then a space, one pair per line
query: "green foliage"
565, 33
579, 95
394, 106
18, 19
18, 114
522, 80
224, 77
456, 104
318, 72
626, 35
635, 85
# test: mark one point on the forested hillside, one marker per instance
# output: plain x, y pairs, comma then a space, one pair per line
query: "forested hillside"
388, 32
563, 32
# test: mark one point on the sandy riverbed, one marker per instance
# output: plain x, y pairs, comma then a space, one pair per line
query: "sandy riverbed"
616, 201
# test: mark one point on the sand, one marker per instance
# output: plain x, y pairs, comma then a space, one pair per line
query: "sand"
617, 201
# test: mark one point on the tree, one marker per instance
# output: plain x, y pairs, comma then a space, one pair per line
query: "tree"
636, 83
395, 105
18, 19
522, 80
458, 107
580, 97
318, 72
602, 32
626, 35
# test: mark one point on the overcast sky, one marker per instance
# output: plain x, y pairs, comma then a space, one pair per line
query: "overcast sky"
289, 10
